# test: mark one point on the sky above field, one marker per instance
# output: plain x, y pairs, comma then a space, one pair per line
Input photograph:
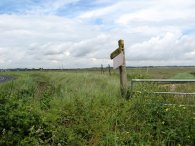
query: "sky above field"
83, 33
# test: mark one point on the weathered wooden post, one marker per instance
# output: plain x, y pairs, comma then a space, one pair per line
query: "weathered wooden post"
109, 69
122, 70
102, 69
118, 57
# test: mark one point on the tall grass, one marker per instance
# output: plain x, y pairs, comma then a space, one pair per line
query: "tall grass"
85, 108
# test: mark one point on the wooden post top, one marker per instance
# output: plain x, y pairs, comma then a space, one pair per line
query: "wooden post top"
121, 44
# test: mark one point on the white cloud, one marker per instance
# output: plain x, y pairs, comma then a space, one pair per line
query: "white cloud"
100, 12
152, 15
172, 47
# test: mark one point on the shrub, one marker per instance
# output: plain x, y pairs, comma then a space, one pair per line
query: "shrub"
20, 124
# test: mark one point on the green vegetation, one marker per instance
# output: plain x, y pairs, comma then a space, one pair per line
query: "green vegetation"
162, 72
183, 76
85, 108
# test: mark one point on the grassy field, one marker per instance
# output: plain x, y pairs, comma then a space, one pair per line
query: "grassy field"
85, 108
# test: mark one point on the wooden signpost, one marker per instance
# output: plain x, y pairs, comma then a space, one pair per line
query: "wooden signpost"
118, 57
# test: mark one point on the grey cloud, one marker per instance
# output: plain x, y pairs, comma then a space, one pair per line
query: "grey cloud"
90, 46
49, 53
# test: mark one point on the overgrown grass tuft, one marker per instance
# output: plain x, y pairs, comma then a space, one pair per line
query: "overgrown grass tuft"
183, 76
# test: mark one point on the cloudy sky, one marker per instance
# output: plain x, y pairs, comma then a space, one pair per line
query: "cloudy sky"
83, 33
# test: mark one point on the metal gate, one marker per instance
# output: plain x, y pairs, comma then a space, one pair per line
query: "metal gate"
176, 81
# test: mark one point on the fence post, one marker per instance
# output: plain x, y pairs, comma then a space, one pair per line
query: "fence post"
122, 71
109, 69
102, 69
131, 89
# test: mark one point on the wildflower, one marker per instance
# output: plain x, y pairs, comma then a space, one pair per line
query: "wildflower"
4, 131
179, 144
163, 122
166, 109
193, 118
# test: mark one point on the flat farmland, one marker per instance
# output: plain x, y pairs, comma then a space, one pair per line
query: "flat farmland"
84, 107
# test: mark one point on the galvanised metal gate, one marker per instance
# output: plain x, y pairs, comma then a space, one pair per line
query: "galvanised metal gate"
176, 81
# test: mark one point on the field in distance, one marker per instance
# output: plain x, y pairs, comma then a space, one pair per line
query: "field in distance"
84, 107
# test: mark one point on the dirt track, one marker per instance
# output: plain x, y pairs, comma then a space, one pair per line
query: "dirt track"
5, 78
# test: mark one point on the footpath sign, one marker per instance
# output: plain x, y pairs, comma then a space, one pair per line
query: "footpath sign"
118, 60
115, 53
